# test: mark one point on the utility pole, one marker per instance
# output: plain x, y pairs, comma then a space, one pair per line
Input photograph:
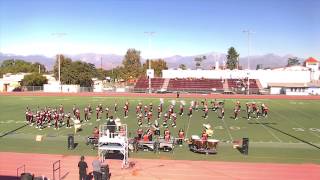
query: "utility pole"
248, 32
101, 62
149, 34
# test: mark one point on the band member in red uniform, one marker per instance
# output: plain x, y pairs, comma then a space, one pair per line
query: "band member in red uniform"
254, 108
206, 110
150, 107
138, 110
42, 118
27, 112
181, 136
265, 111
196, 105
140, 119
149, 133
145, 111
115, 107
90, 111
204, 138
190, 111
95, 133
98, 113
68, 116
167, 135
174, 120
107, 112
56, 120
237, 110
161, 107
170, 112
149, 117
78, 114
159, 112
140, 133
156, 128
61, 112
181, 110
248, 109
30, 117
74, 109
86, 114
145, 137
125, 109
165, 120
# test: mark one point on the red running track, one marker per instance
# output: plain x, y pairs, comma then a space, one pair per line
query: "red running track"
148, 169
168, 95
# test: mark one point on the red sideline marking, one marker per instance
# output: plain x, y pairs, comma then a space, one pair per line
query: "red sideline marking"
168, 95
150, 169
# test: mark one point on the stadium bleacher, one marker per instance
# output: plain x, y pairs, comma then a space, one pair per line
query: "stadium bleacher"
197, 85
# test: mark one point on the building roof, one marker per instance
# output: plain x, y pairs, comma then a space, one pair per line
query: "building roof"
311, 60
294, 85
290, 85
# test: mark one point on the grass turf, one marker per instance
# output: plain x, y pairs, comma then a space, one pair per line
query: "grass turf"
290, 134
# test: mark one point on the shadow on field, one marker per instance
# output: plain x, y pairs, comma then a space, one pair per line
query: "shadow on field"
14, 130
304, 141
263, 123
8, 177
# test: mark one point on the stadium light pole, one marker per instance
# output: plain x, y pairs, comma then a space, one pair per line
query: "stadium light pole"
59, 35
248, 32
149, 34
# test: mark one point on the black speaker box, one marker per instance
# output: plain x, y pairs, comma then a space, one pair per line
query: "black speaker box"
70, 141
245, 146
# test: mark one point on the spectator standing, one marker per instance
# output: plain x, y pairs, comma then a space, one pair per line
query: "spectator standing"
82, 169
96, 165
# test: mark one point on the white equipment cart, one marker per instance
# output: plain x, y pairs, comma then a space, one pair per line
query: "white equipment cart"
113, 138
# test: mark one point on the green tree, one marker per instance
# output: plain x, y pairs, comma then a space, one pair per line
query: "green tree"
158, 65
34, 79
75, 72
183, 66
17, 66
199, 60
293, 61
232, 58
115, 73
131, 64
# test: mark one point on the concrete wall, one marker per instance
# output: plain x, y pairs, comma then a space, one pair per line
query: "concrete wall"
61, 88
265, 76
275, 90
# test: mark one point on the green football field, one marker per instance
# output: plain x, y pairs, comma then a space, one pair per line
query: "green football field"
290, 133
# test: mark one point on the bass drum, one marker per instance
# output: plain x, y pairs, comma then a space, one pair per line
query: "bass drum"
212, 143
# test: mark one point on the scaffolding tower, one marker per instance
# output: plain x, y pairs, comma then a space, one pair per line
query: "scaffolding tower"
113, 138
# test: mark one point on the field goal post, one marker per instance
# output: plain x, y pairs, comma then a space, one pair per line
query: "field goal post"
56, 167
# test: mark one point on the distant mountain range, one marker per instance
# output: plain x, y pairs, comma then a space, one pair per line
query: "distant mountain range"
110, 61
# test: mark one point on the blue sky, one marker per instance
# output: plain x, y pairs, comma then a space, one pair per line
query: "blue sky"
182, 27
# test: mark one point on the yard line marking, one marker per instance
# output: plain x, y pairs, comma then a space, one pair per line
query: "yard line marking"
270, 132
294, 122
188, 126
226, 127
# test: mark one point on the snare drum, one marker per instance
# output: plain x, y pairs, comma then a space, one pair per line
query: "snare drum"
195, 137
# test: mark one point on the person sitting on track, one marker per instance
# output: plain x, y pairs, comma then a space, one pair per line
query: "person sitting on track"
139, 133
94, 139
95, 132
